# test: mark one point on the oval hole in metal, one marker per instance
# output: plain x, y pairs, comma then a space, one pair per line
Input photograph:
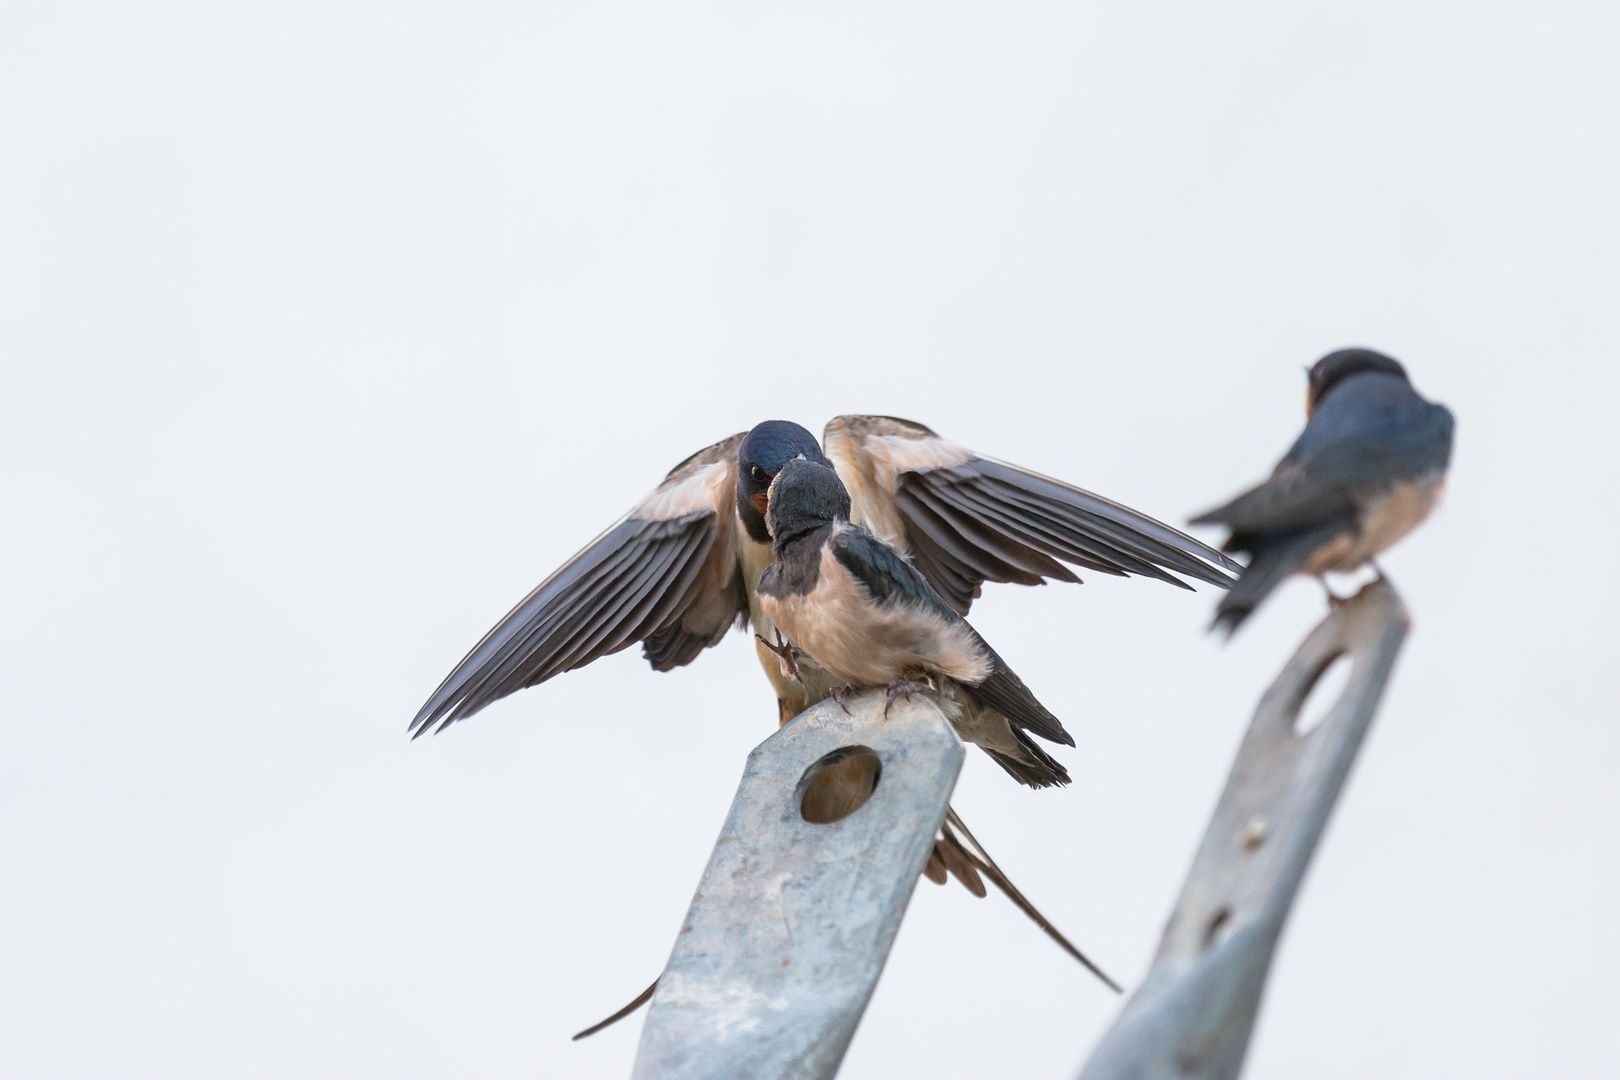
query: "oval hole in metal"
1323, 692
838, 785
1218, 922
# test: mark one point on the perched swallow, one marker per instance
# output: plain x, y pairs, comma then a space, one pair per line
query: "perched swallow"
681, 568
1368, 468
869, 618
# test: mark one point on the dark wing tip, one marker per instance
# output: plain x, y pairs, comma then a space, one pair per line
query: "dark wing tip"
1227, 620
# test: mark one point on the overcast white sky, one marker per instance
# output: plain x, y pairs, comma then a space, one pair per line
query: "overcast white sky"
329, 329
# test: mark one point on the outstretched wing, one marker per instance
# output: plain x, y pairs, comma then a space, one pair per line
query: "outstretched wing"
666, 575
967, 519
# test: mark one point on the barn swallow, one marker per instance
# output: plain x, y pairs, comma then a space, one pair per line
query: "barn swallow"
681, 568
869, 618
1368, 468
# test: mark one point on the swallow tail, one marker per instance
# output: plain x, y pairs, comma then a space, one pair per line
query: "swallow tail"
1273, 559
1006, 693
1035, 768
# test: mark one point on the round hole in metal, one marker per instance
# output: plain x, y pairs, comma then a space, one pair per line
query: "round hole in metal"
1322, 693
838, 785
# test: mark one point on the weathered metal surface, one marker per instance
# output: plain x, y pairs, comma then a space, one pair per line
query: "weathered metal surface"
1192, 1015
792, 921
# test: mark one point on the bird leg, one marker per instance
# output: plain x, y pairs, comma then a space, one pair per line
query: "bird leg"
784, 652
905, 688
1333, 598
838, 694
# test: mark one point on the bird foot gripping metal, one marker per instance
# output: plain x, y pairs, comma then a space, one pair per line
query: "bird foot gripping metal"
787, 933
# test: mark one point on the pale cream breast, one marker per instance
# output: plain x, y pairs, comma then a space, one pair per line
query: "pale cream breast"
861, 643
1384, 524
1404, 509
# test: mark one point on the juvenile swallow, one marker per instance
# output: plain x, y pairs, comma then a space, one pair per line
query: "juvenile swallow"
1369, 466
869, 618
681, 568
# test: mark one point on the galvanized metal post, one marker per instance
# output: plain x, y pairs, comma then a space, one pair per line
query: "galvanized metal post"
793, 919
1192, 1015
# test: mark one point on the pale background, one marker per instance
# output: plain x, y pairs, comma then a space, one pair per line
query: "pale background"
329, 329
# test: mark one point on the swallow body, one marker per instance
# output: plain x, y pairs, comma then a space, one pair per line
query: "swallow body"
681, 568
867, 617
1368, 468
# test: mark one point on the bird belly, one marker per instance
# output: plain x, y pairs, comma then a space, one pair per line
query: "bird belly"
795, 695
1383, 523
859, 642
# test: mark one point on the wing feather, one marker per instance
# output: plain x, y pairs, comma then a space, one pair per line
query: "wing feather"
1042, 531
1088, 541
968, 519
957, 583
547, 646
667, 575
1014, 558
1006, 693
620, 617
1113, 523
1291, 497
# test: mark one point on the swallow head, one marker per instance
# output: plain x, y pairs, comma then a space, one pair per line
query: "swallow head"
1336, 367
763, 452
804, 496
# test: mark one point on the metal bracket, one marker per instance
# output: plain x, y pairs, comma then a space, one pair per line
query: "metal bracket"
793, 920
1193, 1014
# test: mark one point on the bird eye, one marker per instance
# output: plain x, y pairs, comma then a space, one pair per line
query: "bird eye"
759, 474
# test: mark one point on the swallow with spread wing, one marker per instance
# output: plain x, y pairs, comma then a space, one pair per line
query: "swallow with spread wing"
681, 568
1368, 468
869, 618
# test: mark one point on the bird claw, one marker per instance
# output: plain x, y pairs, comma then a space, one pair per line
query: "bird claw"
1333, 598
784, 652
903, 688
837, 693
